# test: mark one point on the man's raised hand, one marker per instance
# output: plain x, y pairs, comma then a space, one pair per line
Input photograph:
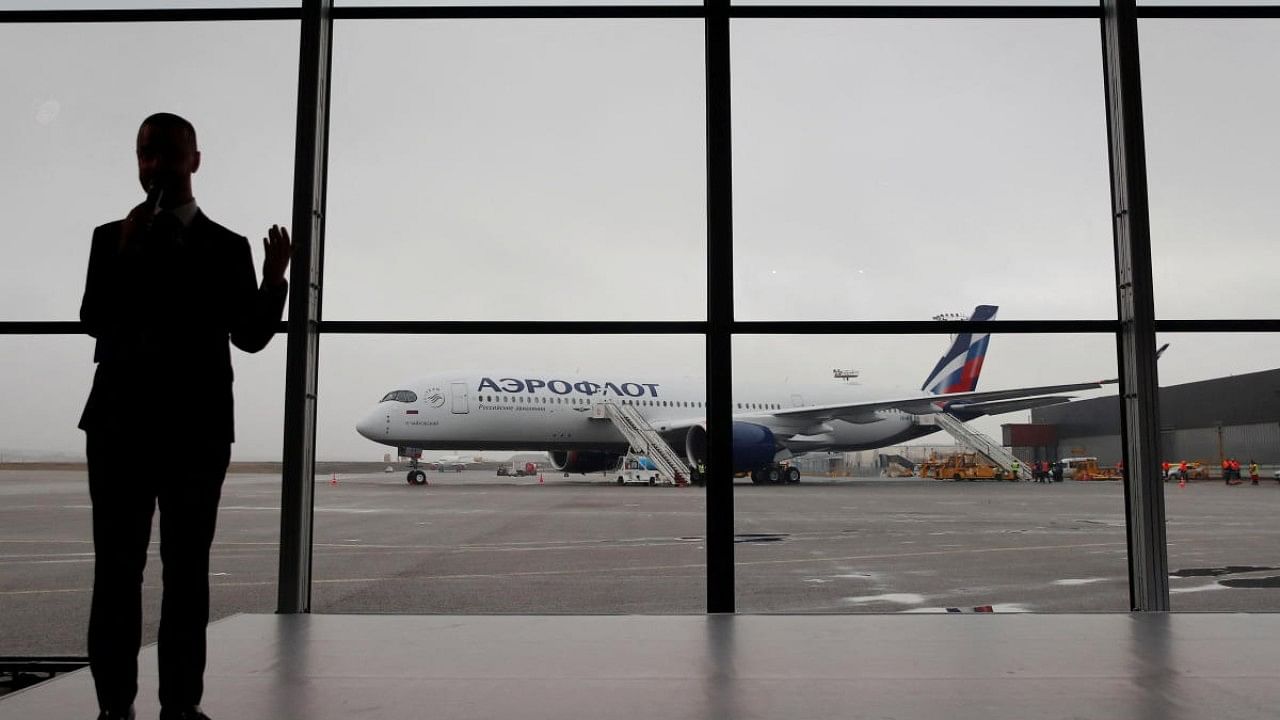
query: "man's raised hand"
276, 250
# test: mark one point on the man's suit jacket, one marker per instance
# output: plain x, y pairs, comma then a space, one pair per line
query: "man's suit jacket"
162, 312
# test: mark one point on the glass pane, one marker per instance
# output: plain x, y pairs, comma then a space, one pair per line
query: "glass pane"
878, 163
1211, 155
517, 170
46, 579
895, 510
487, 520
68, 162
1218, 399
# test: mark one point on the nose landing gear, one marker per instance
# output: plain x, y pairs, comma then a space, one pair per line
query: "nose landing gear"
415, 476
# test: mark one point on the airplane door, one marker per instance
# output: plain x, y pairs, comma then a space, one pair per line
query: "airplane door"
797, 401
461, 403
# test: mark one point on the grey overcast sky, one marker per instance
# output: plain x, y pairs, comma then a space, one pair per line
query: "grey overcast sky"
884, 169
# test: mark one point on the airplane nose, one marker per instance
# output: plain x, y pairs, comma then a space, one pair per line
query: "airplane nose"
369, 425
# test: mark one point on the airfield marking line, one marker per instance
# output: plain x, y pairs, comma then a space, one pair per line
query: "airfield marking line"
45, 555
644, 568
42, 542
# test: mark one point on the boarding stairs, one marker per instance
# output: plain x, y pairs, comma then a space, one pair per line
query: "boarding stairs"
644, 440
981, 444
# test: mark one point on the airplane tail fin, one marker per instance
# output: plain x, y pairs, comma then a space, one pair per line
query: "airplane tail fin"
958, 370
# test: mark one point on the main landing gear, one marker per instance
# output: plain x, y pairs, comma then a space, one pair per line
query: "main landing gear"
775, 475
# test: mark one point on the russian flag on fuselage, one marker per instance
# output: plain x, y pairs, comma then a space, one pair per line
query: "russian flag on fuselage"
959, 369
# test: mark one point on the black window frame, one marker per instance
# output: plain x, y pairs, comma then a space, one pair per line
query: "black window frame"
316, 18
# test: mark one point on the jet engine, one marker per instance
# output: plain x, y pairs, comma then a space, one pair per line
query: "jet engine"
583, 461
753, 446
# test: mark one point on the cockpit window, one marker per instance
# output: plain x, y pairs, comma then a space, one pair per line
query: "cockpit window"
404, 396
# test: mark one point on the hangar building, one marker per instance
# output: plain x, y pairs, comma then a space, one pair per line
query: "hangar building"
1237, 415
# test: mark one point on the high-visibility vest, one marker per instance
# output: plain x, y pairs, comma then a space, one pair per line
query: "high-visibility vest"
1253, 468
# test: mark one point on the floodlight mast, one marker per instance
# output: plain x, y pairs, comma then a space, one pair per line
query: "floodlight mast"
950, 317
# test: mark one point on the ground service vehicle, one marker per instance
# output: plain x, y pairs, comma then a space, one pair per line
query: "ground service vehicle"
518, 469
960, 466
636, 469
1087, 468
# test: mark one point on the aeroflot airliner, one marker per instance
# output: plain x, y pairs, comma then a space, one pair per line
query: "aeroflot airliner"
506, 410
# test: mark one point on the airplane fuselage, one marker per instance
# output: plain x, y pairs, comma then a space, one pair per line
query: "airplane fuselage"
525, 411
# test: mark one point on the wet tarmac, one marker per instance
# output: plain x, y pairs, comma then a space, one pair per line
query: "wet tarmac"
474, 543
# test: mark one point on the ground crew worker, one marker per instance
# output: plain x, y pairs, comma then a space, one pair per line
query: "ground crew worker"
1164, 470
702, 471
1017, 470
1182, 473
1057, 471
1253, 472
1226, 471
1235, 471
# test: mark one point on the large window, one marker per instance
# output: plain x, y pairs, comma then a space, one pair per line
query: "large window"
520, 508
1212, 147
75, 107
889, 528
75, 95
880, 164
517, 170
1218, 403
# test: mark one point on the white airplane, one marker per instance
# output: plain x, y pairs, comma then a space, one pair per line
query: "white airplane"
555, 413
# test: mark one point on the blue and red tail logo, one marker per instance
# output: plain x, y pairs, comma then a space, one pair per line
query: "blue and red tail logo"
959, 369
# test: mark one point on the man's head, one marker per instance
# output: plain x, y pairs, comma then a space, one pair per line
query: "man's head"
167, 155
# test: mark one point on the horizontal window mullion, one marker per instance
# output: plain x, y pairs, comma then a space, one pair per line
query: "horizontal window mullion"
516, 327
936, 12
921, 327
135, 16
929, 12
1206, 12
779, 327
1217, 326
518, 12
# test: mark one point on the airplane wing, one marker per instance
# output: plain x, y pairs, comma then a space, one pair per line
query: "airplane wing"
990, 402
996, 407
866, 412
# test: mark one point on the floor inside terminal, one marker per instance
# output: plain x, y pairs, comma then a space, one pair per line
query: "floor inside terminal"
389, 667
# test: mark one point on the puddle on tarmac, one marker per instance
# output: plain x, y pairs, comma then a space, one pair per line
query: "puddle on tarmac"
1219, 571
759, 537
1262, 582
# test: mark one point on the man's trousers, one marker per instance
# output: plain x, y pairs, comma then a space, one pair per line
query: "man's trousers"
126, 484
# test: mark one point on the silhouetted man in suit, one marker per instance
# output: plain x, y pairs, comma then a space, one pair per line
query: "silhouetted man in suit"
166, 288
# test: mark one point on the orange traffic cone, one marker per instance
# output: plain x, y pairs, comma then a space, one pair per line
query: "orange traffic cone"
539, 478
333, 480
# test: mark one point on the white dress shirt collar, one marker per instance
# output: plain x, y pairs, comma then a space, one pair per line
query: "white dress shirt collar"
186, 212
